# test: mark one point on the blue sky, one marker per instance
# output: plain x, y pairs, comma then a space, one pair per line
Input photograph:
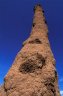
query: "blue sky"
15, 26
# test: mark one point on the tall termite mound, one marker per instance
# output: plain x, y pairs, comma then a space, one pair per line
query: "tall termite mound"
33, 72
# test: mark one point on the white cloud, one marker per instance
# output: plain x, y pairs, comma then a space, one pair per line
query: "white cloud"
61, 92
